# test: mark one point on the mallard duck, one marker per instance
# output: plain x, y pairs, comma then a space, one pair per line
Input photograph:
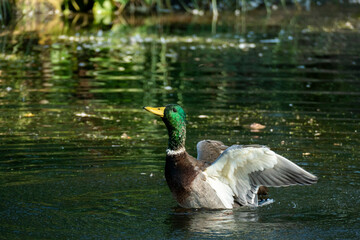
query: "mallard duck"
221, 177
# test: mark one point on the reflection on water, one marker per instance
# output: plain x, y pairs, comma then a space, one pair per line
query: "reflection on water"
80, 158
246, 223
211, 221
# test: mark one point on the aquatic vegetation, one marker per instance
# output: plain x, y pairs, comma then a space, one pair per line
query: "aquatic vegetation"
6, 11
109, 7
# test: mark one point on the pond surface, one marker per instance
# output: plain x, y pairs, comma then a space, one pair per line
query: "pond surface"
80, 159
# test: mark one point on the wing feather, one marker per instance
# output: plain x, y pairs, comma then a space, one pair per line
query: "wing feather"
245, 168
209, 150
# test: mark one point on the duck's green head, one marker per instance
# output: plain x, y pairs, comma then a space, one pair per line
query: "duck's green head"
174, 118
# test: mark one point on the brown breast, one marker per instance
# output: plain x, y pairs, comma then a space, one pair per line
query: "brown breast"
180, 171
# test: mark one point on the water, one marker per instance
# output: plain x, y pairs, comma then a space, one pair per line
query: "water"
80, 159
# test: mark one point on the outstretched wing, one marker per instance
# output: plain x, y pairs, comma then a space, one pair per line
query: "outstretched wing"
209, 150
240, 170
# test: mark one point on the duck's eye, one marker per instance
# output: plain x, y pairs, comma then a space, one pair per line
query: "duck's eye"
174, 110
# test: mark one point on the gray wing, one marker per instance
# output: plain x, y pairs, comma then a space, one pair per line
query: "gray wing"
209, 150
284, 173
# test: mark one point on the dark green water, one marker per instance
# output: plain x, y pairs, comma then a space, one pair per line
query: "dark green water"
80, 159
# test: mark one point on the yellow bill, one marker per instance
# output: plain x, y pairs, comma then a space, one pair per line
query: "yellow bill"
159, 111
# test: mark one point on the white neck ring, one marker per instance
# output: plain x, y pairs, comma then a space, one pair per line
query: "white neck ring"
175, 152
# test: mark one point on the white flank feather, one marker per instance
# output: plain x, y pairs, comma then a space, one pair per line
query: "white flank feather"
223, 191
239, 171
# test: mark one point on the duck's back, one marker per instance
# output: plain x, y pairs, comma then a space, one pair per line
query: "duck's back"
209, 150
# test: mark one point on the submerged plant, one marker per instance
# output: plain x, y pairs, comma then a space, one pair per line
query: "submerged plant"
6, 11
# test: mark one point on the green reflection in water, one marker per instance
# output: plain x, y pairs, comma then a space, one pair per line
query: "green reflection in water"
80, 158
